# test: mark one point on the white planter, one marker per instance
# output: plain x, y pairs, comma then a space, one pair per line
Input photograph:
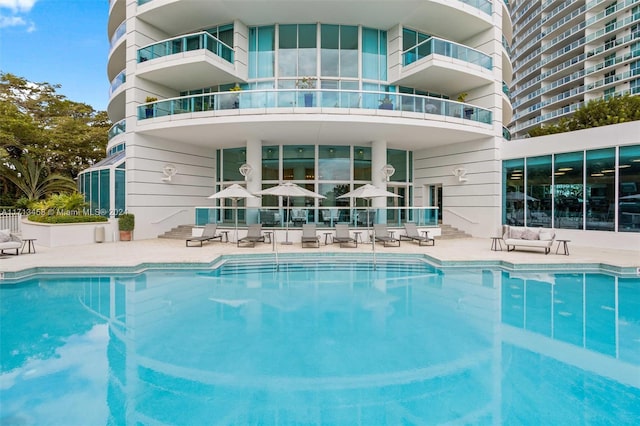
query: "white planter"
68, 234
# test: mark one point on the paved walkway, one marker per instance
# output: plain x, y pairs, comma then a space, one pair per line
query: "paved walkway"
134, 253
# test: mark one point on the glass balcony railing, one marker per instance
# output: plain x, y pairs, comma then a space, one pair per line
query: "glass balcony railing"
117, 129
344, 99
482, 5
118, 81
197, 41
118, 34
324, 217
506, 134
450, 49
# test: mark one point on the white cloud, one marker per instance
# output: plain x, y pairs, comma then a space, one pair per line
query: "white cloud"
17, 5
11, 21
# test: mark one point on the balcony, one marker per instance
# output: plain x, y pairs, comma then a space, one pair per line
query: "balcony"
194, 60
450, 66
317, 101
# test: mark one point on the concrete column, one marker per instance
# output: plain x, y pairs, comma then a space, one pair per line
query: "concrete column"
254, 180
378, 161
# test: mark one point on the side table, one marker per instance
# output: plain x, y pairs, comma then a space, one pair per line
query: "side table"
495, 243
28, 244
564, 245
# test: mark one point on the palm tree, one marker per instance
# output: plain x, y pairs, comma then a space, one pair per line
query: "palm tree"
34, 180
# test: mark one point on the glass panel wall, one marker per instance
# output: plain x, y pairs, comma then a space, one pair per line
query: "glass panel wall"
569, 190
538, 205
584, 191
600, 190
629, 189
398, 159
374, 54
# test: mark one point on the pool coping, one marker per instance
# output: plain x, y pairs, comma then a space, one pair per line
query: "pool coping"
9, 277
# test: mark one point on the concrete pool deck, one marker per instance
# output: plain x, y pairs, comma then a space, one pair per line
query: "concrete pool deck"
133, 253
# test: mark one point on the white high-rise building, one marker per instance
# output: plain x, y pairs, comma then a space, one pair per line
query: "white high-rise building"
329, 95
566, 53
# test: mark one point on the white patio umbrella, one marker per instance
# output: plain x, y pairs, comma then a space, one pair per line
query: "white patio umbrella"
289, 189
369, 192
233, 192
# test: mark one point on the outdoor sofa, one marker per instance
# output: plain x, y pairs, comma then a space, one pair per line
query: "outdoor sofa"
521, 236
9, 241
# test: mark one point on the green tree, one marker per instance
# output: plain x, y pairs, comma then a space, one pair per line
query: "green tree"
64, 136
596, 113
34, 180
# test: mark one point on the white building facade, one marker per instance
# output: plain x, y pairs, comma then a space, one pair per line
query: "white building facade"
206, 94
325, 95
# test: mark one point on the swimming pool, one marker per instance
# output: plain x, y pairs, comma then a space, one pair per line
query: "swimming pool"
318, 343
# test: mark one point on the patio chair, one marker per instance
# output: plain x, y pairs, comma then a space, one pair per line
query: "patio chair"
309, 235
382, 234
412, 234
208, 234
342, 236
254, 235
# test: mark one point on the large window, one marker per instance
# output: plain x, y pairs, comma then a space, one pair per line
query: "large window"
538, 199
297, 50
629, 190
600, 190
334, 162
339, 51
298, 162
569, 190
262, 52
583, 193
270, 163
232, 159
374, 54
514, 193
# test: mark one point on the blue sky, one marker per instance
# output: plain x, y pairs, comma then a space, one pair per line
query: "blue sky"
59, 42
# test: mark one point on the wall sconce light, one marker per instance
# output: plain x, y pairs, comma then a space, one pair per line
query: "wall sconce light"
461, 174
169, 171
245, 170
387, 171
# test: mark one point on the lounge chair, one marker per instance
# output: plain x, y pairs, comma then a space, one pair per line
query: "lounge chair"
208, 234
342, 236
382, 234
254, 235
412, 234
309, 235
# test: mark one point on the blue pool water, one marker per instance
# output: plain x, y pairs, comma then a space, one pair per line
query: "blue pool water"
339, 344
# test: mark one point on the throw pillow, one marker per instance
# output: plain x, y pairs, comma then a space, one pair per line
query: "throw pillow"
5, 235
546, 235
528, 234
515, 233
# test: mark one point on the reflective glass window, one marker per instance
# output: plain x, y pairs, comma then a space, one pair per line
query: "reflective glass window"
270, 162
334, 162
121, 191
629, 191
262, 52
298, 162
398, 159
104, 192
538, 194
232, 159
361, 163
95, 191
348, 51
513, 194
569, 190
600, 190
329, 50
